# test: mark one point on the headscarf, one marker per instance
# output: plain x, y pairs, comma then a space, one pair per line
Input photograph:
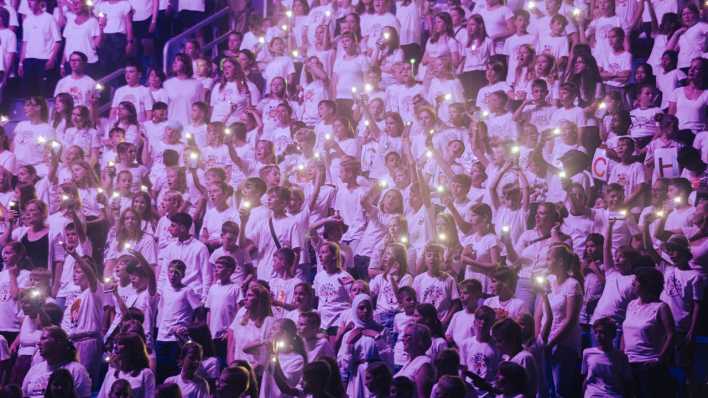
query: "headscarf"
358, 322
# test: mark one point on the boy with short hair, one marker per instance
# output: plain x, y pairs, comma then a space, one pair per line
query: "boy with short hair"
628, 172
459, 329
230, 248
316, 345
605, 369
436, 286
615, 65
504, 304
222, 303
478, 354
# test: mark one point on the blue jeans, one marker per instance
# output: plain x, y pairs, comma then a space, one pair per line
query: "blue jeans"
564, 363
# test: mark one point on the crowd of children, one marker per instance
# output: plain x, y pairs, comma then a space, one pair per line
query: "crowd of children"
367, 198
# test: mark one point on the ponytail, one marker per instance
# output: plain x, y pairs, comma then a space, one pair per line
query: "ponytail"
570, 260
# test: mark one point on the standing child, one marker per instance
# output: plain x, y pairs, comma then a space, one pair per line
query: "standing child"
190, 383
408, 302
605, 369
332, 286
222, 303
282, 284
504, 304
436, 286
479, 355
243, 269
303, 300
385, 286
459, 329
176, 307
316, 345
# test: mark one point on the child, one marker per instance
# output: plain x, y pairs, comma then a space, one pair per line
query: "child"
605, 369
511, 210
504, 304
667, 76
509, 338
435, 286
500, 122
285, 369
176, 306
407, 299
615, 64
628, 172
555, 44
282, 284
511, 380
593, 281
190, 383
316, 345
384, 286
241, 273
303, 300
222, 302
470, 295
520, 37
644, 115
478, 354
332, 286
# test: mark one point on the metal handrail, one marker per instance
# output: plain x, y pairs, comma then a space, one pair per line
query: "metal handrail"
184, 35
108, 88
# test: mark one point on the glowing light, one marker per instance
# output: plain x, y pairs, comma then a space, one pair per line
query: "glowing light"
284, 27
429, 154
41, 140
448, 97
279, 344
328, 13
354, 89
111, 163
64, 197
301, 167
412, 61
562, 174
442, 237
366, 123
404, 239
35, 293
101, 15
127, 246
623, 213
328, 136
386, 35
485, 113
540, 280
246, 204
531, 5
289, 14
556, 131
144, 188
317, 155
506, 229
99, 190
368, 88
440, 188
4, 119
660, 213
261, 40
115, 195
194, 156
89, 3
188, 135
227, 131
274, 359
107, 279
576, 12
107, 358
602, 105
515, 149
99, 87
296, 53
678, 200
383, 183
432, 131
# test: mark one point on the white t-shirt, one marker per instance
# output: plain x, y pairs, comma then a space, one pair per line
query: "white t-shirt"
481, 358
182, 93
8, 45
196, 388
690, 113
569, 289
139, 96
175, 309
691, 44
605, 373
245, 335
37, 378
28, 147
115, 14
460, 327
618, 292
682, 290
439, 291
142, 385
9, 307
642, 331
333, 293
350, 73
288, 234
630, 176
80, 89
382, 288
79, 37
615, 63
512, 308
40, 33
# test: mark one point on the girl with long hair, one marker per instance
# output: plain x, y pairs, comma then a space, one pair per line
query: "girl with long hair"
232, 94
477, 50
129, 362
482, 253
387, 54
81, 133
287, 361
249, 333
61, 115
442, 43
384, 286
182, 89
32, 135
128, 121
129, 237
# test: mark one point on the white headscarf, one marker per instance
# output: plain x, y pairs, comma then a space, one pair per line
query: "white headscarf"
358, 322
